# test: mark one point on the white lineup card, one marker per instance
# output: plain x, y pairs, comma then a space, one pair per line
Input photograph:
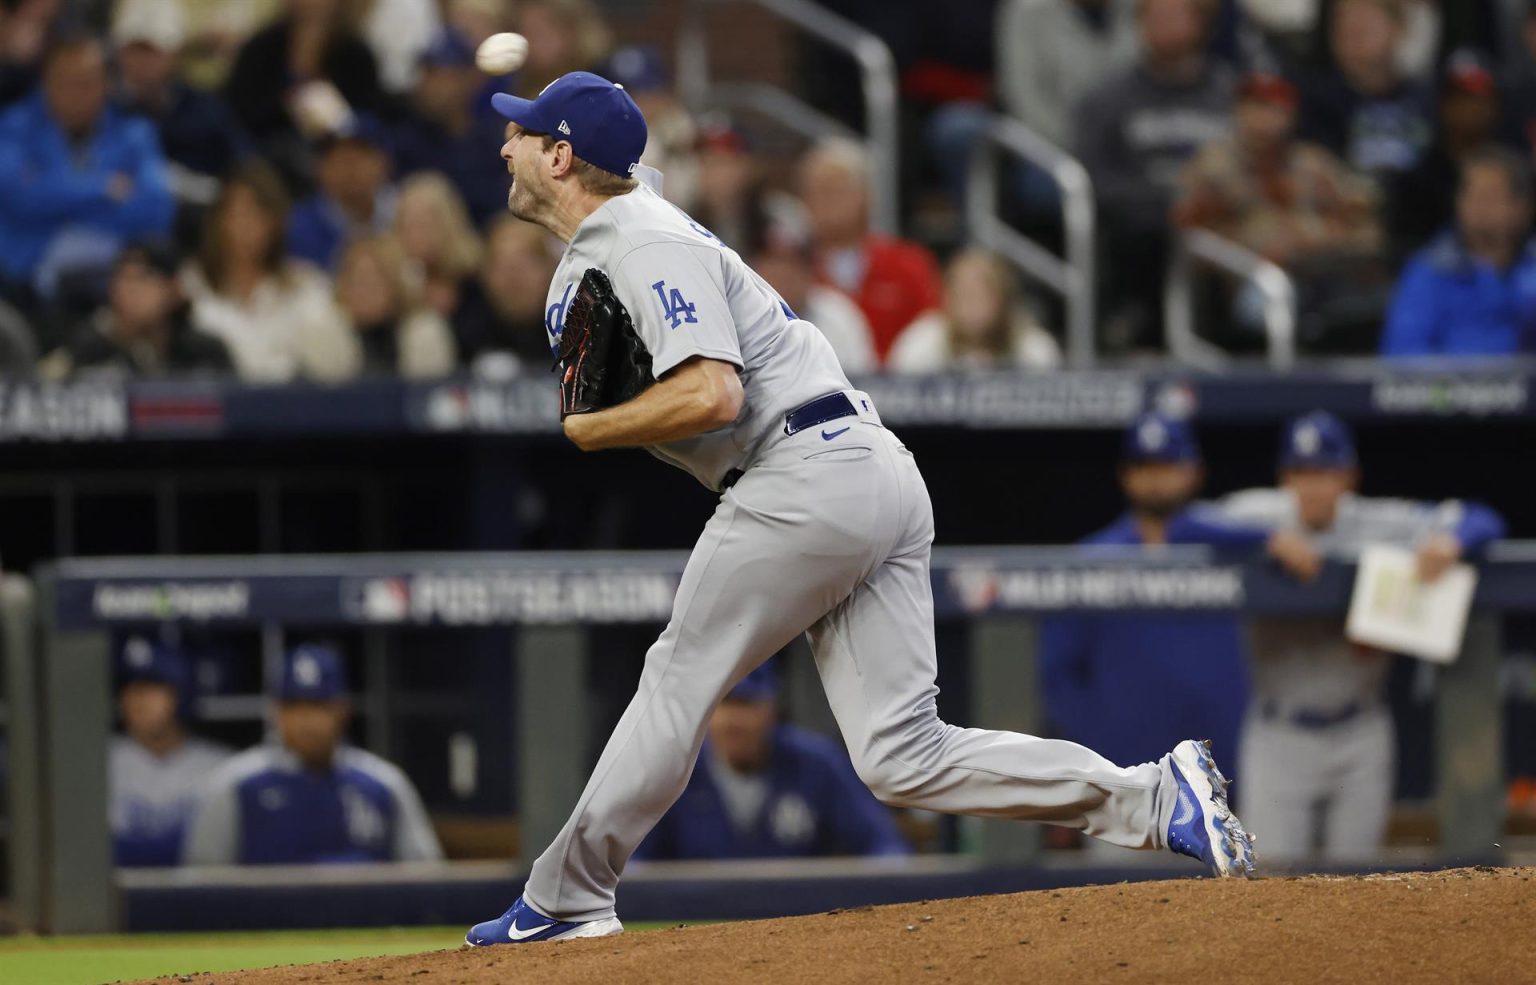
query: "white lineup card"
1392, 609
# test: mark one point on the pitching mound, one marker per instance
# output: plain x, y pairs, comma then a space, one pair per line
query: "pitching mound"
1461, 925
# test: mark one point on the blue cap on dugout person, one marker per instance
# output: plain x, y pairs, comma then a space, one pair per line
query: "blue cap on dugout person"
309, 797
155, 765
77, 177
766, 789
1102, 675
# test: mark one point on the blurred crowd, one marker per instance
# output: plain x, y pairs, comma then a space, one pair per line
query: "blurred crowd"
311, 189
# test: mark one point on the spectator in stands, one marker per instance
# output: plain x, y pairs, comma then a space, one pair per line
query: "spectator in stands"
1423, 200
398, 31
77, 178
784, 259
1134, 134
1432, 29
27, 28
439, 241
892, 280
276, 315
399, 335
215, 31
353, 196
1472, 291
563, 36
1285, 199
144, 329
18, 346
1519, 85
296, 78
444, 133
499, 324
1125, 683
672, 147
155, 767
198, 134
1364, 109
1052, 53
1319, 741
763, 789
733, 200
310, 797
982, 325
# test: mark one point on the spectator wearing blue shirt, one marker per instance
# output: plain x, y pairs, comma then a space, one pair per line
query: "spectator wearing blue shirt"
1129, 685
309, 798
762, 789
77, 178
354, 194
1472, 291
155, 767
444, 133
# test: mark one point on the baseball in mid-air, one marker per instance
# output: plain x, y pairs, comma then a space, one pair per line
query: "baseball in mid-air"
501, 53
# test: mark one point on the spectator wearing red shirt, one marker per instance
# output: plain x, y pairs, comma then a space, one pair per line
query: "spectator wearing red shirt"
892, 280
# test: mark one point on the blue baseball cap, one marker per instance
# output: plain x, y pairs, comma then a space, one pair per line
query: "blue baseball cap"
760, 685
141, 659
449, 49
638, 68
596, 117
312, 673
1317, 440
1158, 437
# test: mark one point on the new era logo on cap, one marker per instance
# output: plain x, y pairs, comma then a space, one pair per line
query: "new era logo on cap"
596, 117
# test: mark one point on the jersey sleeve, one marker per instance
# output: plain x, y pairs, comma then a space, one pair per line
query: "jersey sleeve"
675, 295
213, 837
415, 839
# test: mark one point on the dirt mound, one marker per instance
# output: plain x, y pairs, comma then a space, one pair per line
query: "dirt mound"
1460, 925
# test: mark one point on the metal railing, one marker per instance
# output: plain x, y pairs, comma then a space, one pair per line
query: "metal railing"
1071, 275
877, 68
1272, 283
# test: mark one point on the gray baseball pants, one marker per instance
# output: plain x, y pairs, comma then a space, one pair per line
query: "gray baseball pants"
830, 536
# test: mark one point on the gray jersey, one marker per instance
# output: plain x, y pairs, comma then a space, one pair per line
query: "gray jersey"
691, 295
1307, 665
151, 798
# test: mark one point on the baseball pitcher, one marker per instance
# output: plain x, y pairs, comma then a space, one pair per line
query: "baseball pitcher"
666, 340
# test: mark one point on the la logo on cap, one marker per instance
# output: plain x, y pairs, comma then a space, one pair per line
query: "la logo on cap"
306, 671
1153, 435
1308, 440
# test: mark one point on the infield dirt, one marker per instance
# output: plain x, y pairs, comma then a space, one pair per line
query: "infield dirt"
1455, 926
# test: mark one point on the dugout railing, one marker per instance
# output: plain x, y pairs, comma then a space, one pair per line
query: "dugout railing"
57, 681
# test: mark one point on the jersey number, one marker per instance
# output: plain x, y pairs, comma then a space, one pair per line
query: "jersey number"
673, 308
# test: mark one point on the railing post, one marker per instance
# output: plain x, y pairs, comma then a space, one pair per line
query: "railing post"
551, 732
18, 648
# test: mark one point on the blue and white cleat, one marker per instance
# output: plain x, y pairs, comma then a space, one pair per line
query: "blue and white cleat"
522, 924
1203, 826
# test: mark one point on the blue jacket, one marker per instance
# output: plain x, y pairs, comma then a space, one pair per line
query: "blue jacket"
815, 806
46, 185
1447, 303
480, 177
1132, 686
318, 231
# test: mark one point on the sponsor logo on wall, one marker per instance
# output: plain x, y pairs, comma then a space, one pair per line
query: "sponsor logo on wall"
62, 412
1010, 400
193, 601
1469, 397
981, 589
497, 598
519, 407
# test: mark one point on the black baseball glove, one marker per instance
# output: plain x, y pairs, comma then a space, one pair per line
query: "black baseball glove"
601, 360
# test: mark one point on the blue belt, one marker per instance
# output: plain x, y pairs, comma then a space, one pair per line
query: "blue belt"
808, 415
1316, 719
819, 411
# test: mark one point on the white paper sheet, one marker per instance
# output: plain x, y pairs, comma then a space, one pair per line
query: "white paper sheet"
1392, 609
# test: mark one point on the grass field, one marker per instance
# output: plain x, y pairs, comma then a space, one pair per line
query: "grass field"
92, 960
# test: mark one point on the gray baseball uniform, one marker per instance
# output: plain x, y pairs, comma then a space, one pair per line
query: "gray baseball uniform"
1319, 743
828, 530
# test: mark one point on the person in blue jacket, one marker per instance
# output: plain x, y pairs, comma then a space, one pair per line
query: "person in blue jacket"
1472, 290
77, 177
1131, 685
763, 789
354, 195
309, 797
